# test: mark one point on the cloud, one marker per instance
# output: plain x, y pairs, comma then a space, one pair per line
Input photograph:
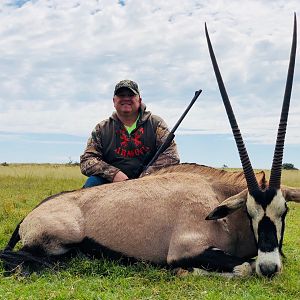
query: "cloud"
61, 59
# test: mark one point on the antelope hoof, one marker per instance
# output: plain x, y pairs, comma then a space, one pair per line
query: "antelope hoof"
180, 272
243, 270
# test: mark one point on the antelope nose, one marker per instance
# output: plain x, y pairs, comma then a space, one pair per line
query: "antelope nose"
268, 270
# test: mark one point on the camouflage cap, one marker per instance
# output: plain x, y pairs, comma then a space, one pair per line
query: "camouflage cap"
127, 84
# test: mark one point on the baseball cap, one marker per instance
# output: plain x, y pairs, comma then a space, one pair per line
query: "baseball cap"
129, 84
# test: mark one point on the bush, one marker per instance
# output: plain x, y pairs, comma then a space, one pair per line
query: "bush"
72, 163
288, 166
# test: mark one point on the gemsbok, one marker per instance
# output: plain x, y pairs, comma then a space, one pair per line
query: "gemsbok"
186, 217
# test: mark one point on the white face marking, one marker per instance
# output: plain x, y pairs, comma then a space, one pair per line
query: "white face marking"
256, 213
275, 210
268, 261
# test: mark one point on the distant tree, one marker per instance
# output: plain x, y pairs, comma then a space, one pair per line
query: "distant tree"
72, 163
288, 166
4, 164
224, 166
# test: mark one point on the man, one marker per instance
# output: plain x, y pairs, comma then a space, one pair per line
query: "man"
122, 145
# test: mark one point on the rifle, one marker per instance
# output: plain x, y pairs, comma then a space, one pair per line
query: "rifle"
171, 135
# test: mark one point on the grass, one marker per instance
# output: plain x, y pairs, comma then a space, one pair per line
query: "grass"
24, 186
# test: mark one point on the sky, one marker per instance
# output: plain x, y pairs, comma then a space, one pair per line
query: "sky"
60, 61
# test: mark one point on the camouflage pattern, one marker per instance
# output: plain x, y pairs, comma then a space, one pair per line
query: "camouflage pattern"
169, 156
133, 86
92, 163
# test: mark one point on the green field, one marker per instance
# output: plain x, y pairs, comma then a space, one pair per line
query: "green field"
24, 186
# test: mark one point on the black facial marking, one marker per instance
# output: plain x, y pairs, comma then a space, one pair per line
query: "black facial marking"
267, 237
251, 226
264, 198
282, 230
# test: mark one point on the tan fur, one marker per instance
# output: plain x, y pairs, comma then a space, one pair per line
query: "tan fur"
291, 194
235, 202
159, 218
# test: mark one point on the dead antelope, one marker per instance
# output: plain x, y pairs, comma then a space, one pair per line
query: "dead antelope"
185, 216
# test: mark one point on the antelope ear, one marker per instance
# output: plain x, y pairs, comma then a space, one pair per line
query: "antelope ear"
261, 180
228, 206
291, 194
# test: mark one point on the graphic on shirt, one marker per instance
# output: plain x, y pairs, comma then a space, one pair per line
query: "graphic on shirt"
131, 145
124, 137
137, 136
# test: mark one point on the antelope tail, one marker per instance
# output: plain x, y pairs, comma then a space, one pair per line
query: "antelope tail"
19, 260
22, 261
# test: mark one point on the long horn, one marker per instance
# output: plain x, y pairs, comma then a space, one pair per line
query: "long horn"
248, 170
275, 176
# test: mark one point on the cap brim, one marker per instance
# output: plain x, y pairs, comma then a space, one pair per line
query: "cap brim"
126, 87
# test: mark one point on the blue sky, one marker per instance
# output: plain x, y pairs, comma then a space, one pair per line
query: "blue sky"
60, 61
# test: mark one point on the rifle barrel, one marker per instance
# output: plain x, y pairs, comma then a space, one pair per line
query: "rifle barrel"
197, 94
171, 135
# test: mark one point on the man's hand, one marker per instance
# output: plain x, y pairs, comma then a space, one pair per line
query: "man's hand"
120, 176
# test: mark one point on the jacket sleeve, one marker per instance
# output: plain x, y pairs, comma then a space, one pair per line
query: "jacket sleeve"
92, 163
169, 156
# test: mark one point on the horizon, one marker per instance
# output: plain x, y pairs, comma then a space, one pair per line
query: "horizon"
61, 60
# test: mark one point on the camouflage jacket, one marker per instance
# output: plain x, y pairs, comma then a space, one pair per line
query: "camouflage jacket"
111, 149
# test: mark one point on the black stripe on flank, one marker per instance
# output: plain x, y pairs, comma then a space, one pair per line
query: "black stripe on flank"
211, 259
267, 235
91, 248
35, 259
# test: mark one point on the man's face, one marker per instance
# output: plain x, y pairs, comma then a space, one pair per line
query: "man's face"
126, 102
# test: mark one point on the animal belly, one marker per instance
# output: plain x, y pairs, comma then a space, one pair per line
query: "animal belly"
135, 233
152, 246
